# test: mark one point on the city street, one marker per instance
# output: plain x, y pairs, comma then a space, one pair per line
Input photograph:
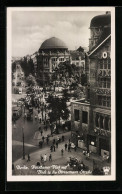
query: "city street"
57, 159
29, 129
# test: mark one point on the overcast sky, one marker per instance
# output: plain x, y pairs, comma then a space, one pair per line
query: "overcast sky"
31, 28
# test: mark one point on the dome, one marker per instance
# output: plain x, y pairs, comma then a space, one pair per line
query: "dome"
53, 43
101, 20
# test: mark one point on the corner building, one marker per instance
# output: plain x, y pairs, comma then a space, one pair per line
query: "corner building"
91, 117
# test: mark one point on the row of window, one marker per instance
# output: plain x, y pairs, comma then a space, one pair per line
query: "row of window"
104, 101
45, 59
84, 116
104, 64
55, 59
103, 122
104, 82
46, 64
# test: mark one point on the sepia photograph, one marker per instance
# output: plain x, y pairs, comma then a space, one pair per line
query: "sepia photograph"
61, 94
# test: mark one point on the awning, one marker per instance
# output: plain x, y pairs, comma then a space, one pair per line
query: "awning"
103, 111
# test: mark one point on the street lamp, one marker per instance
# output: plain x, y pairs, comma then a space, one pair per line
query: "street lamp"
24, 108
45, 118
23, 143
42, 111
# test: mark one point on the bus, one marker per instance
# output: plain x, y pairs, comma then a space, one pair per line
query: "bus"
16, 112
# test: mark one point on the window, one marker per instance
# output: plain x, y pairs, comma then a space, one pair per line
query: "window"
97, 123
100, 100
104, 63
84, 117
76, 114
104, 82
101, 121
104, 101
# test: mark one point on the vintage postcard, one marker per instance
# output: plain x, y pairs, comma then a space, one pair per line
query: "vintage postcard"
61, 94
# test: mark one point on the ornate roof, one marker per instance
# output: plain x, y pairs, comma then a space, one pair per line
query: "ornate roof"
101, 20
53, 43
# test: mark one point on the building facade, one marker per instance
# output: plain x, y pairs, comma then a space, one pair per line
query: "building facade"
91, 118
51, 53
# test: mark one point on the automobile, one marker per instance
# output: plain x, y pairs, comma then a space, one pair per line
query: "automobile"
73, 145
20, 103
22, 99
18, 83
29, 117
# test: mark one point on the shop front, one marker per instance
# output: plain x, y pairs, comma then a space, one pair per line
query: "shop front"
92, 143
104, 147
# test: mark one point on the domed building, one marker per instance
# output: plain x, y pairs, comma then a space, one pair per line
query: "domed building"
51, 53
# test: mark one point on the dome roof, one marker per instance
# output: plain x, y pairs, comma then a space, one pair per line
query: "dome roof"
101, 20
53, 43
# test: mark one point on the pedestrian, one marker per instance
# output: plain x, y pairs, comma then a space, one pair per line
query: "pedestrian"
40, 120
28, 158
62, 151
51, 148
46, 127
65, 146
50, 157
58, 138
35, 117
53, 141
41, 157
40, 144
47, 140
62, 137
43, 138
56, 144
25, 116
54, 148
69, 140
41, 132
45, 158
75, 148
39, 128
69, 148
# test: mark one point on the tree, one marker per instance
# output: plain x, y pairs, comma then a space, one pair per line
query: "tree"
66, 95
78, 93
31, 80
13, 67
58, 109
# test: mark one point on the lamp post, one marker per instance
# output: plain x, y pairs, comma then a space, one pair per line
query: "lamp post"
23, 143
42, 111
24, 108
45, 118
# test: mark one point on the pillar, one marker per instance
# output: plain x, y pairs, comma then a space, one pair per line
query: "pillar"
104, 122
109, 127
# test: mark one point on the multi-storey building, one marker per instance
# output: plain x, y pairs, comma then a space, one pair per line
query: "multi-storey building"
51, 53
91, 117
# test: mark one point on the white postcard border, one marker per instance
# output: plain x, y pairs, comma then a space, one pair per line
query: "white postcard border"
10, 177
